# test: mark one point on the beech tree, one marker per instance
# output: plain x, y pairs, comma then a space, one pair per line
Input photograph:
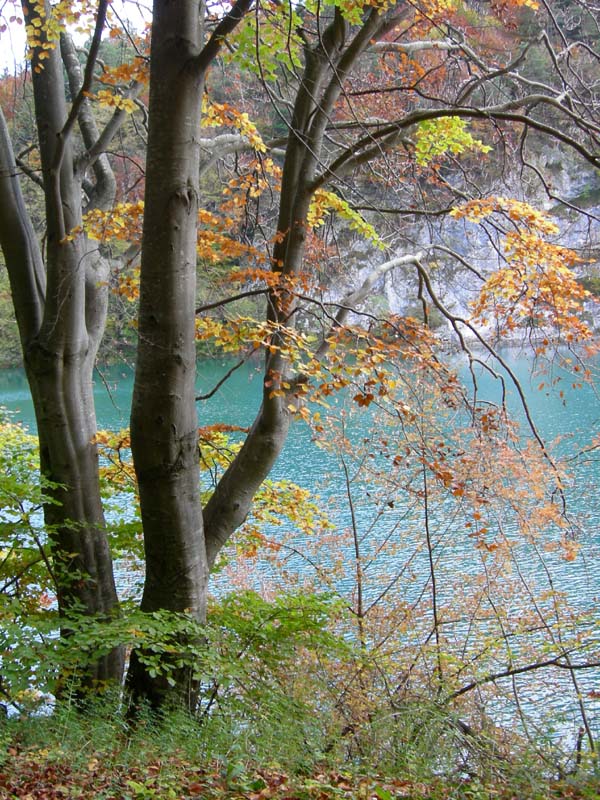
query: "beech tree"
59, 290
387, 87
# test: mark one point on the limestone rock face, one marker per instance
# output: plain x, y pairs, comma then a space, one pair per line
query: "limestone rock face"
568, 192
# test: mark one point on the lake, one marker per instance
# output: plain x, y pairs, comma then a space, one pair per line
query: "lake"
390, 529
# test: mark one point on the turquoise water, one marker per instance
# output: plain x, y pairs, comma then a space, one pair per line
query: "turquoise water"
576, 416
235, 403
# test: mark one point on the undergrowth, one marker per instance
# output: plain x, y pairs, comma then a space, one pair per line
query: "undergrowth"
74, 754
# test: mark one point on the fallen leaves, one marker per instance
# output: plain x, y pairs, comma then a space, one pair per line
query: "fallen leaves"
46, 774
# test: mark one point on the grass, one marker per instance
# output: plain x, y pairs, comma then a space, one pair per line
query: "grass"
95, 755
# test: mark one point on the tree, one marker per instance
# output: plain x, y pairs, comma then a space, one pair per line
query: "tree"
164, 427
60, 299
387, 87
329, 139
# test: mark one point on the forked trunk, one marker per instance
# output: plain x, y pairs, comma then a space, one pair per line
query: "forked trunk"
60, 305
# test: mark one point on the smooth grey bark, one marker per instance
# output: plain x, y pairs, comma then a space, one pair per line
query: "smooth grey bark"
60, 304
164, 427
103, 190
164, 434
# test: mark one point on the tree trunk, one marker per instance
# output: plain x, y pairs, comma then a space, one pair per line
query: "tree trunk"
61, 309
61, 386
163, 423
164, 428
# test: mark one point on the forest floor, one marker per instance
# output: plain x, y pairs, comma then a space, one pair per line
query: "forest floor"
51, 774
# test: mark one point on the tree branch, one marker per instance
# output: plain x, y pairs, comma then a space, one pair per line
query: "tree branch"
103, 193
31, 173
507, 673
231, 299
85, 85
226, 26
387, 135
354, 298
20, 246
409, 48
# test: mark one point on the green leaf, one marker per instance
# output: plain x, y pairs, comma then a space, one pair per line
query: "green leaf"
436, 137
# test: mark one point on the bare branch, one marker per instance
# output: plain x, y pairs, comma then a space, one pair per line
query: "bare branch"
31, 173
410, 48
226, 26
557, 661
231, 299
222, 380
85, 85
354, 298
